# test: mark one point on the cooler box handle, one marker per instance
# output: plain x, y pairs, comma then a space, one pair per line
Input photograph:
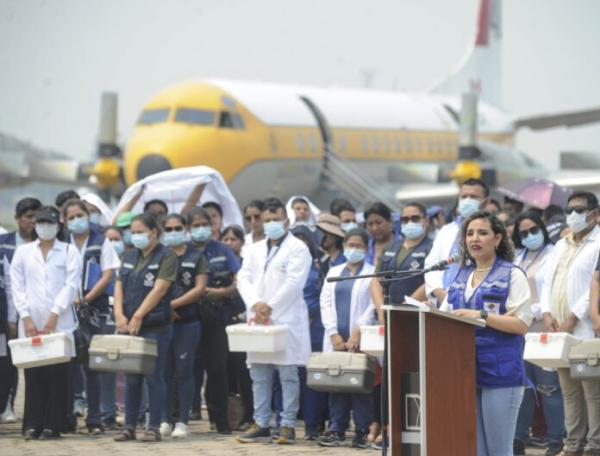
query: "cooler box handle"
112, 354
334, 370
592, 359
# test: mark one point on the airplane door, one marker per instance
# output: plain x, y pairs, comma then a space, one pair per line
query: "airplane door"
229, 138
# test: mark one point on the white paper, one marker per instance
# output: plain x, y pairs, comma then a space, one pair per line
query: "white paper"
418, 304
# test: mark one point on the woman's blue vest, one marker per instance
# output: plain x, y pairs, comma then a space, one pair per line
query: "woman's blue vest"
92, 270
415, 260
137, 284
186, 280
499, 354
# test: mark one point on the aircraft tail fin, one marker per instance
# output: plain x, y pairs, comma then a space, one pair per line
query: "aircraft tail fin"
480, 69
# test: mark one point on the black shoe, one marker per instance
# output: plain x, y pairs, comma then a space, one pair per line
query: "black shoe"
359, 440
50, 435
553, 449
31, 434
311, 436
332, 439
112, 425
95, 429
287, 436
518, 448
195, 416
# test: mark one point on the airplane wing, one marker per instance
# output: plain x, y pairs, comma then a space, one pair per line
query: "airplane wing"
564, 119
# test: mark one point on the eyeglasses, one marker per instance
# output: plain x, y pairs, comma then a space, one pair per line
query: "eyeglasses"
533, 231
412, 218
168, 229
249, 218
576, 209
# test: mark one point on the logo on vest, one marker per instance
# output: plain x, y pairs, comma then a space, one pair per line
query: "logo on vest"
414, 264
149, 279
186, 278
492, 307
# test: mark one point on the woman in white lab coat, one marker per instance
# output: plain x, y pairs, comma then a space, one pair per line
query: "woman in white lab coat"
345, 305
45, 275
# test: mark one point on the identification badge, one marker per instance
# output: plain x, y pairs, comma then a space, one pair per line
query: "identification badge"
491, 307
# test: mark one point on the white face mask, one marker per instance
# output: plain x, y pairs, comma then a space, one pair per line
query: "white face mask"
46, 231
577, 222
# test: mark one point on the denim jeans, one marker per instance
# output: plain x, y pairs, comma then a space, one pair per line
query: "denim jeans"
262, 382
180, 369
100, 386
155, 381
547, 385
340, 406
497, 411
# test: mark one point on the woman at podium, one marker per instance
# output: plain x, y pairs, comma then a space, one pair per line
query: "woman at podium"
490, 287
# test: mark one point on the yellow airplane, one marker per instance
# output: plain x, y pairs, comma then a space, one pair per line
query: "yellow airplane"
268, 138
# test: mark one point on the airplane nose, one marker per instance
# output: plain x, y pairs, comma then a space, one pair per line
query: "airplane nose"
152, 164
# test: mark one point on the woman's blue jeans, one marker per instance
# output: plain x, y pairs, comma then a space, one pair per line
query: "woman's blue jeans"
155, 381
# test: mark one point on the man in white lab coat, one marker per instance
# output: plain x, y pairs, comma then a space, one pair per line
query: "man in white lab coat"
271, 283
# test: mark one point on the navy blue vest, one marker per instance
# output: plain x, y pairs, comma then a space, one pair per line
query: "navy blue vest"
8, 242
416, 260
220, 275
499, 354
186, 280
91, 262
137, 284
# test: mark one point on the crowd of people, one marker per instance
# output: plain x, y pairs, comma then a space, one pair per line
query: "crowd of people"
181, 278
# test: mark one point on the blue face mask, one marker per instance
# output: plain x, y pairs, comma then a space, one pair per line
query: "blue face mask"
127, 236
468, 206
140, 240
174, 238
533, 241
78, 225
201, 233
119, 246
274, 230
354, 255
347, 227
413, 230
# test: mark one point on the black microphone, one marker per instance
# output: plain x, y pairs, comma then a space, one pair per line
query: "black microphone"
442, 265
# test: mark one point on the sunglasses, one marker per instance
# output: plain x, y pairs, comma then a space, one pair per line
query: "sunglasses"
533, 231
576, 209
169, 229
412, 218
249, 218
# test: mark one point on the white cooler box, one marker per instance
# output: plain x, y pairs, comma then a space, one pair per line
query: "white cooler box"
372, 340
42, 350
256, 338
549, 349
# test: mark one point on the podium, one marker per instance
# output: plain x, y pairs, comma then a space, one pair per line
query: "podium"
431, 382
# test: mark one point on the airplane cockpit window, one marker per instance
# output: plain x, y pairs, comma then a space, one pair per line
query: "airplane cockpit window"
225, 120
194, 116
152, 116
238, 122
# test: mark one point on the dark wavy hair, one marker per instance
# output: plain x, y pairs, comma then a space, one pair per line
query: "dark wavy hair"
505, 249
535, 218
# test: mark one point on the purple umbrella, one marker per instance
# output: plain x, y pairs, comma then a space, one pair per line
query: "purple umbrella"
536, 192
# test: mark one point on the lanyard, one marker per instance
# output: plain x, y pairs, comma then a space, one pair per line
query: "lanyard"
535, 258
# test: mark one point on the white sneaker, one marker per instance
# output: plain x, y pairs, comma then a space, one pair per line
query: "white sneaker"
8, 416
165, 429
180, 431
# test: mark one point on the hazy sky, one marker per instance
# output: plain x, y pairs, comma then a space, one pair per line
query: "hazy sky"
57, 56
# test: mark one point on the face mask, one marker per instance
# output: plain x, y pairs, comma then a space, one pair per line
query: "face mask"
413, 230
354, 255
201, 233
140, 240
468, 206
95, 218
174, 238
533, 241
347, 227
127, 236
274, 230
46, 231
119, 246
577, 222
78, 225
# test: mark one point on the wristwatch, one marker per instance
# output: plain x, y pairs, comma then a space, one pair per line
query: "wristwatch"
484, 314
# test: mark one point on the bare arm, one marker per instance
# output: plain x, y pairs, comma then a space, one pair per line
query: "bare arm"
192, 200
100, 286
129, 205
376, 291
420, 294
594, 298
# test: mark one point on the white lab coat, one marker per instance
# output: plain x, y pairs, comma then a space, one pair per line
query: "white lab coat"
280, 284
361, 305
40, 287
536, 308
578, 285
440, 250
